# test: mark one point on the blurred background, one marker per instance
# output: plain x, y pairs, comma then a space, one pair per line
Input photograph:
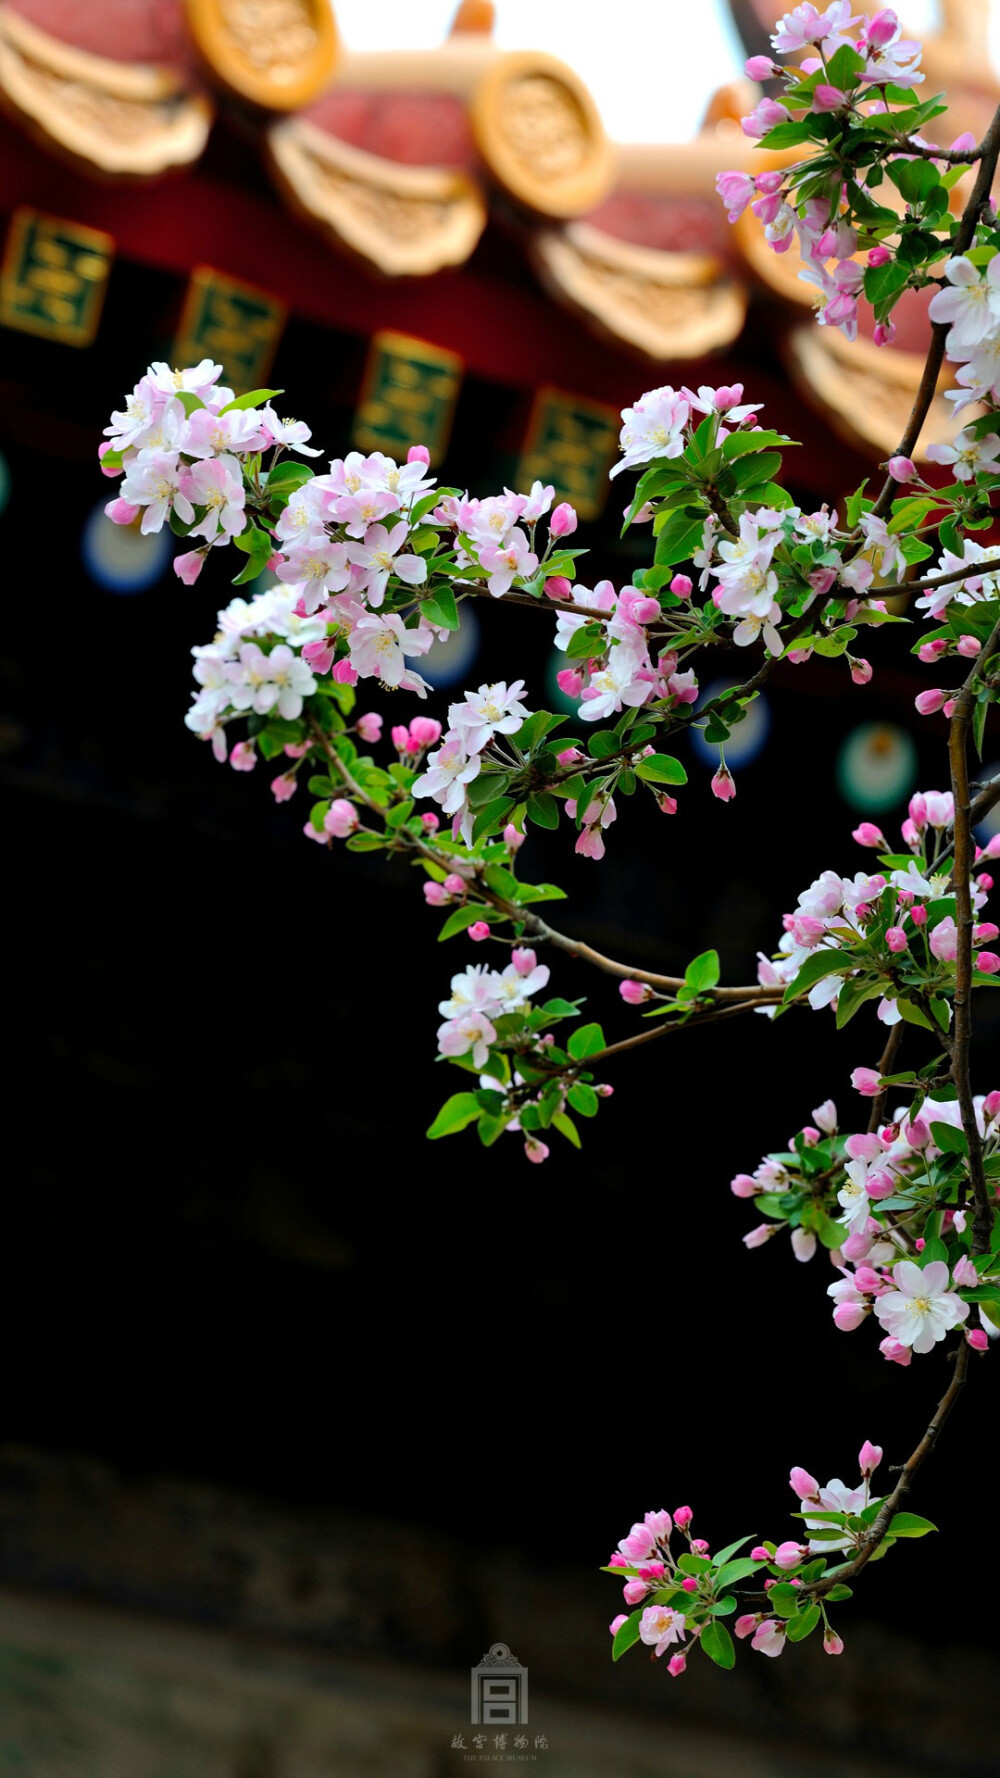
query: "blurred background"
302, 1416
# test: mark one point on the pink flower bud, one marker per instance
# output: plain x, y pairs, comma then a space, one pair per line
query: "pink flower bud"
683, 1517
418, 454
928, 652
991, 850
570, 682
991, 1104
676, 1665
435, 895
243, 757
902, 469
884, 333
880, 1185
400, 737
869, 835
863, 1146
927, 702
789, 1555
666, 803
563, 521
984, 933
869, 1458
879, 256
341, 818
512, 838
682, 585
988, 962
983, 881
186, 567
856, 1247
895, 938
895, 1351
760, 68
723, 786
633, 1590
424, 731
122, 512
558, 587
343, 673
700, 1546
617, 1622
969, 646
832, 1643
634, 993
570, 756
369, 726
538, 1151
454, 884
803, 1484
319, 656
690, 1585
964, 1273
645, 611
478, 931
948, 708
429, 821
865, 1081
867, 1279
918, 915
747, 1624
762, 1233
861, 670
828, 98
744, 1187
283, 786
848, 1316
978, 1339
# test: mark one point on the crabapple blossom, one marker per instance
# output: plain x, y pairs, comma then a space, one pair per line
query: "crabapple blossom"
920, 1309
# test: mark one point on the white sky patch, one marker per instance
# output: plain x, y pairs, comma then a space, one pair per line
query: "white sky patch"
650, 64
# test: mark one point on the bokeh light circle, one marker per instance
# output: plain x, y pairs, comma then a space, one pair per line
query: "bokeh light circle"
876, 767
746, 740
448, 662
119, 558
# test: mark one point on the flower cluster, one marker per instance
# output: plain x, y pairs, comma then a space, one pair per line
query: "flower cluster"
679, 1599
890, 935
893, 1207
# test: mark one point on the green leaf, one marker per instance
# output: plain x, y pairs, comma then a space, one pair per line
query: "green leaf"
365, 842
539, 892
583, 1099
840, 1591
730, 1550
460, 919
259, 550
455, 1114
189, 401
909, 1525
853, 995
585, 1041
742, 444
784, 1599
731, 1572
441, 608
949, 1140
253, 398
786, 135
566, 1127
680, 536
916, 179
283, 482
661, 768
492, 817
821, 963
703, 972
627, 1635
543, 809
718, 1644
604, 743
803, 1625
